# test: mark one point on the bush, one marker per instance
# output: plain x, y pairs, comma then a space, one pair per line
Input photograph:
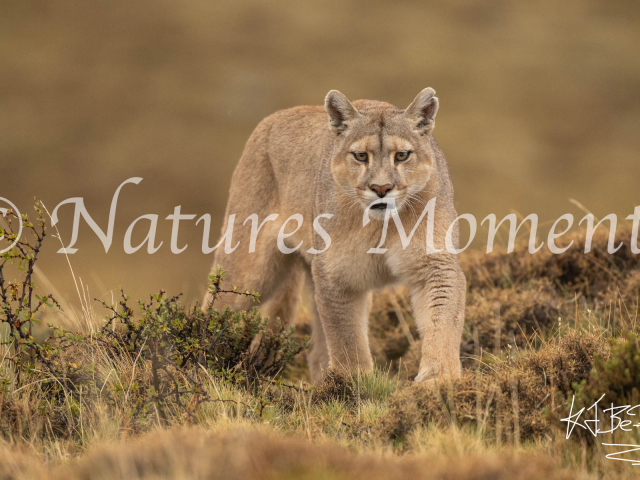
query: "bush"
615, 374
503, 400
163, 352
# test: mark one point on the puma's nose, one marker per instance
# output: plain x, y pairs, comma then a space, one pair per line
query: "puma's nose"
381, 190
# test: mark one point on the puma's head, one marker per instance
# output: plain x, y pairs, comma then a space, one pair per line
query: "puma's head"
381, 151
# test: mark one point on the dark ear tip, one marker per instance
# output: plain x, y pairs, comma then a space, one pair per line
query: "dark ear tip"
428, 91
427, 96
332, 96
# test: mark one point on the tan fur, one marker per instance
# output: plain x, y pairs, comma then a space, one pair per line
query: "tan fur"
295, 163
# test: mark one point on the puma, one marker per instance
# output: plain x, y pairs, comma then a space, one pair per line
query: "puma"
338, 161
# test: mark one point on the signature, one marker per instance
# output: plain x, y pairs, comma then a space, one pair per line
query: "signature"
615, 418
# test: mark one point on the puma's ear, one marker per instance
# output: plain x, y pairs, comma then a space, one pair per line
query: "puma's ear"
340, 111
424, 108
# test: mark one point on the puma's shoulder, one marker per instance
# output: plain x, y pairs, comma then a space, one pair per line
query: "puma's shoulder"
297, 123
291, 135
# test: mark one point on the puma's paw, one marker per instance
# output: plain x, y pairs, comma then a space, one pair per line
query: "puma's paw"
425, 375
433, 371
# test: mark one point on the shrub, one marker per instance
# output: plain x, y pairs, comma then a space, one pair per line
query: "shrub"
613, 380
503, 400
162, 352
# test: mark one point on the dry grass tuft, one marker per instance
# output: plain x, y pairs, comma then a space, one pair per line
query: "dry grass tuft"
505, 399
256, 454
336, 386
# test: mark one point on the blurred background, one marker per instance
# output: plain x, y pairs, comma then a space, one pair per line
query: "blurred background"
540, 103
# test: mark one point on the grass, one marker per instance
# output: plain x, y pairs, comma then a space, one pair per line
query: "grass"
540, 329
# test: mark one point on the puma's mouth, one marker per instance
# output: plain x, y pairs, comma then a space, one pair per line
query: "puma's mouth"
379, 206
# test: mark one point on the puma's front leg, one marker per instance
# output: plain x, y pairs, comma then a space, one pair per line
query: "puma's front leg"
438, 301
344, 316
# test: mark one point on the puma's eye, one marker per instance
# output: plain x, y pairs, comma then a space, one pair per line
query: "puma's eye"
402, 156
361, 156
